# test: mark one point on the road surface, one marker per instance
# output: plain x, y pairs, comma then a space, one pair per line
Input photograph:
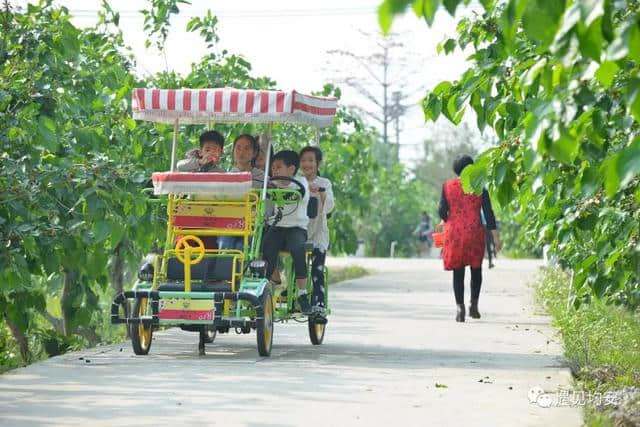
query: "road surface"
393, 355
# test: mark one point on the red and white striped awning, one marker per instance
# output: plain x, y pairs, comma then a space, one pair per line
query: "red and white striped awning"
228, 105
235, 184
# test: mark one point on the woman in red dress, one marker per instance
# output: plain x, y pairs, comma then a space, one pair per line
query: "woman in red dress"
464, 236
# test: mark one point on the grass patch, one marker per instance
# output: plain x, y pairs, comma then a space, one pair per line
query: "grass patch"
45, 341
340, 274
601, 342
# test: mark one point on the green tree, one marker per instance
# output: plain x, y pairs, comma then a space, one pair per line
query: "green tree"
69, 204
441, 150
73, 221
395, 211
559, 83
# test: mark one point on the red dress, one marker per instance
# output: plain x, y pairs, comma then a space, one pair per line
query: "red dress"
463, 232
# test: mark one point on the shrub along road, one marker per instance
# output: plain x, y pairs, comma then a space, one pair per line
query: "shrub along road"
392, 354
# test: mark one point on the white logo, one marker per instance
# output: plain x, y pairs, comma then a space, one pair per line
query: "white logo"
534, 394
537, 395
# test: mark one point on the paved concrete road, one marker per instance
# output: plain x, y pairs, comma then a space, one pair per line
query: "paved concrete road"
391, 339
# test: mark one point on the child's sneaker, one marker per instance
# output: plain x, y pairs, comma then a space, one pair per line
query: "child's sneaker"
319, 314
305, 307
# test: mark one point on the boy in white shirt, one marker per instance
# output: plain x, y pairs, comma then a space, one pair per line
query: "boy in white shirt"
290, 232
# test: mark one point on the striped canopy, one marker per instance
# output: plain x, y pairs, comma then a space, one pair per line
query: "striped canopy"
228, 105
227, 184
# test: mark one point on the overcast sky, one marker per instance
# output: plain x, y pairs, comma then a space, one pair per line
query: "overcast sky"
288, 41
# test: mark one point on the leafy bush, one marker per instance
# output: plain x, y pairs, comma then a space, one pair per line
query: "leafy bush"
602, 343
601, 340
558, 83
9, 351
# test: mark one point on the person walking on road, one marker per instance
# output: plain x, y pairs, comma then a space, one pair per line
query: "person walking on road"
491, 247
464, 236
424, 231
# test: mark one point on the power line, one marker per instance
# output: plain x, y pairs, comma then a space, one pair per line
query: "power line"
244, 14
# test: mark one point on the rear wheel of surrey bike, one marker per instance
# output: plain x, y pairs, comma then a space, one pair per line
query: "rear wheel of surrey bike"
264, 326
140, 334
316, 330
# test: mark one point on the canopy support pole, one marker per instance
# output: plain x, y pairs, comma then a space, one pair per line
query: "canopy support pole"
173, 146
267, 163
316, 142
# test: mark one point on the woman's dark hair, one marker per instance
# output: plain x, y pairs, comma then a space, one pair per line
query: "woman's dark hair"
311, 149
461, 162
254, 144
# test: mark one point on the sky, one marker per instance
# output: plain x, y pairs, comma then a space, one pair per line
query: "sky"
288, 40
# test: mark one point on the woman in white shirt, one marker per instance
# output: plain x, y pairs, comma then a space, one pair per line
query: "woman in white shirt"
317, 229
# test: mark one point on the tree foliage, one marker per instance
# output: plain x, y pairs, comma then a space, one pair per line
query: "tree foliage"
73, 220
69, 199
559, 82
440, 150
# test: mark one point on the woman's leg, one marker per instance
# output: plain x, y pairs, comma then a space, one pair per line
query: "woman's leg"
476, 283
458, 285
458, 291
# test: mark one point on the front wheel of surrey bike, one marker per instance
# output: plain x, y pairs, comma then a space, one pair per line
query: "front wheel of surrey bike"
264, 323
316, 330
140, 334
208, 334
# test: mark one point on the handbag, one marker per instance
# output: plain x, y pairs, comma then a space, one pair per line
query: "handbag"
438, 235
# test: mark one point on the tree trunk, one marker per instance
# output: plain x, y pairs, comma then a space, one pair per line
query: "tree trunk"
90, 335
21, 339
117, 275
66, 304
67, 299
117, 270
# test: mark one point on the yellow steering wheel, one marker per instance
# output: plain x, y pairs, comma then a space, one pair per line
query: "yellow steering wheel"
183, 247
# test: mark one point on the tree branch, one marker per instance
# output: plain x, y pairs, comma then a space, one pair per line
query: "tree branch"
368, 113
57, 323
359, 59
363, 91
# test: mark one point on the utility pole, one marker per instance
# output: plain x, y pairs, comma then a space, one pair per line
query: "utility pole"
385, 86
386, 69
398, 111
